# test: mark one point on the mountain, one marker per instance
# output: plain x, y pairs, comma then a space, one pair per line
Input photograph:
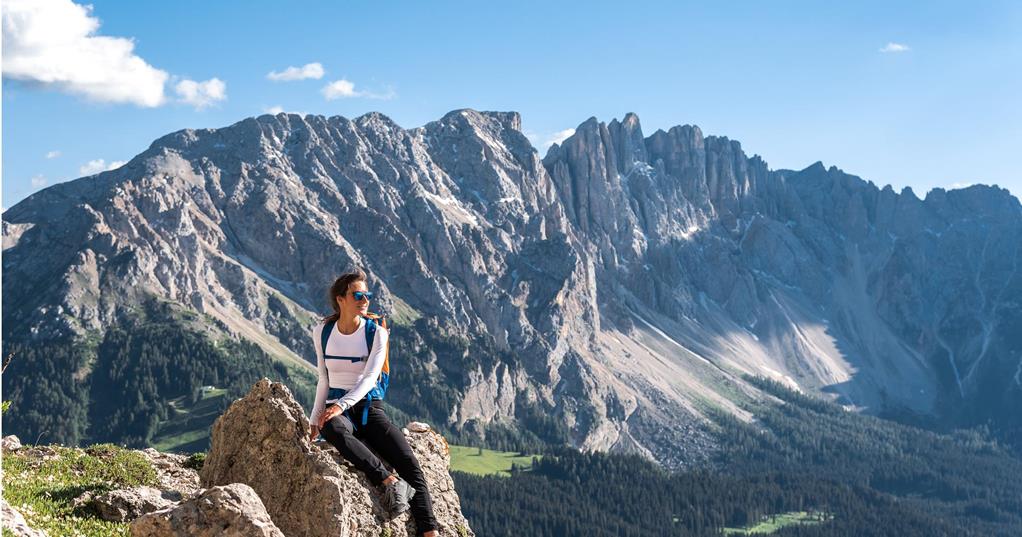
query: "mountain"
612, 295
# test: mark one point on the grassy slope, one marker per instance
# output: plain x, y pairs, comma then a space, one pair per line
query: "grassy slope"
189, 427
467, 459
774, 523
43, 489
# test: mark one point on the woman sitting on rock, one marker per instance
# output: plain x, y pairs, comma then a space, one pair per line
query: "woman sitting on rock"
349, 372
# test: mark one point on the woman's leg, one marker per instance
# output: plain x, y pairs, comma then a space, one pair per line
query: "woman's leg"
338, 431
390, 443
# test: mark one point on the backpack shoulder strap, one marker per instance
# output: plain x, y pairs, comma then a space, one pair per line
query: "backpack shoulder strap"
370, 333
325, 336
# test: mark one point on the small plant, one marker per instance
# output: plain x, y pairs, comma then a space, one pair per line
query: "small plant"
196, 460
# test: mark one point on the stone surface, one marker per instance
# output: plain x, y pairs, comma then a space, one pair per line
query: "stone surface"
262, 441
124, 505
417, 427
173, 473
229, 511
11, 443
15, 523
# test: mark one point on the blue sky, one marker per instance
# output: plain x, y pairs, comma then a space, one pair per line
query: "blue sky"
925, 94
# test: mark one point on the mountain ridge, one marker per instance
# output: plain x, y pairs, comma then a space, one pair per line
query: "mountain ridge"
632, 279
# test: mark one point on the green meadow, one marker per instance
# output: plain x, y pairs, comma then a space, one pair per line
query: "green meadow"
773, 523
487, 462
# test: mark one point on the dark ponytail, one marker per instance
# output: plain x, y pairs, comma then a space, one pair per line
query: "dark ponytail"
340, 288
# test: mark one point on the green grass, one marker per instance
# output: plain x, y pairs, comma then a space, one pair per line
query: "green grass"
467, 459
403, 313
43, 490
189, 427
773, 523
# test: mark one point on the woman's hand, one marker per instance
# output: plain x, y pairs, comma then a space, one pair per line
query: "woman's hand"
313, 432
329, 414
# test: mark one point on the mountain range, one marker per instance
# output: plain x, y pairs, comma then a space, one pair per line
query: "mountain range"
616, 294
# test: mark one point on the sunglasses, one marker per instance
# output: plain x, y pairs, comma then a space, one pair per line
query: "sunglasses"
359, 295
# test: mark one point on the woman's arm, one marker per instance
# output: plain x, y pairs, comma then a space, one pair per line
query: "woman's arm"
323, 386
367, 379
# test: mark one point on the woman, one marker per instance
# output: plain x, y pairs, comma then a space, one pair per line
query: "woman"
348, 373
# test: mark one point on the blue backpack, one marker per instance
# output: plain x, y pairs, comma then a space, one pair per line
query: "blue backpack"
378, 391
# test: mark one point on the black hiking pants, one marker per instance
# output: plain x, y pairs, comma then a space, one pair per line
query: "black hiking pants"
354, 440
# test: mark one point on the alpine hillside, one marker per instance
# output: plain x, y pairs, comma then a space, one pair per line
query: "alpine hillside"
611, 295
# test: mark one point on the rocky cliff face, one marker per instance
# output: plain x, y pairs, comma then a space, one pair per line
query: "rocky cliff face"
622, 284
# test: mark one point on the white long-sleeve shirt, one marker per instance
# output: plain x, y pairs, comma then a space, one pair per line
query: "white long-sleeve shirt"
355, 377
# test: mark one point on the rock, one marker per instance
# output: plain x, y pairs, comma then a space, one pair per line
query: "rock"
234, 510
124, 505
11, 443
173, 472
417, 426
15, 523
262, 441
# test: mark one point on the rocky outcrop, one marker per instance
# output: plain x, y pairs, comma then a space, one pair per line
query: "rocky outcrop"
262, 441
229, 511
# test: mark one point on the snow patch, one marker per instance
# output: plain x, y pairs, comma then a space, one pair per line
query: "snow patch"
453, 208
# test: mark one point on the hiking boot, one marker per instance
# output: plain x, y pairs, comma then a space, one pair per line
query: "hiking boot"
395, 496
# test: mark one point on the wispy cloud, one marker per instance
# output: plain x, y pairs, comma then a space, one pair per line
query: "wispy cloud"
280, 109
954, 186
38, 181
543, 142
559, 137
201, 94
345, 89
53, 43
893, 47
50, 155
99, 165
310, 70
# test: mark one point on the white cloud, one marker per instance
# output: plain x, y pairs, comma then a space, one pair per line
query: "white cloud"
345, 89
281, 110
201, 94
954, 186
52, 154
38, 181
309, 70
559, 137
339, 89
99, 165
895, 47
53, 43
543, 143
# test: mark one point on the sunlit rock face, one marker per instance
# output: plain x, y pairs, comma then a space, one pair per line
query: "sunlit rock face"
621, 284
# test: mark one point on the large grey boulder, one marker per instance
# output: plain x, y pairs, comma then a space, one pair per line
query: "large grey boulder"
231, 511
124, 505
262, 441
